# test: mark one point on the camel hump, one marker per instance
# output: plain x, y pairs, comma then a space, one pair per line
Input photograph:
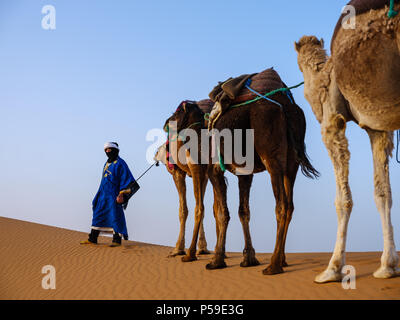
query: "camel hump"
263, 82
268, 77
205, 105
361, 6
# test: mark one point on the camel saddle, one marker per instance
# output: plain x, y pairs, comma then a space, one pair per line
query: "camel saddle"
205, 105
233, 91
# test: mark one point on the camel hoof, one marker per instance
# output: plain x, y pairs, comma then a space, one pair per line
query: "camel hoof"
249, 262
188, 258
176, 253
328, 275
284, 264
386, 273
214, 265
203, 251
271, 269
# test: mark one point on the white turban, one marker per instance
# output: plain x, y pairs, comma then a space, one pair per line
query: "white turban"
111, 145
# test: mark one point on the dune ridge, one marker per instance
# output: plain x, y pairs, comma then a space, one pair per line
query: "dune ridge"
143, 271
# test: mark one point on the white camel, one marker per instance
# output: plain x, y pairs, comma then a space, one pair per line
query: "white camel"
360, 82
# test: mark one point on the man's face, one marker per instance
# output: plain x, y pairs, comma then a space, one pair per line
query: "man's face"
112, 154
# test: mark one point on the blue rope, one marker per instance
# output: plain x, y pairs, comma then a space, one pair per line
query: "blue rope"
262, 96
289, 95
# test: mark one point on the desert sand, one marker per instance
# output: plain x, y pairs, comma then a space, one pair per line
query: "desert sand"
142, 271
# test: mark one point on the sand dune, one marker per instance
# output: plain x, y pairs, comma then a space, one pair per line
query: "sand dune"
142, 271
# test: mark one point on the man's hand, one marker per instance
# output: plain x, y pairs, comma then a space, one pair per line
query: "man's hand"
120, 198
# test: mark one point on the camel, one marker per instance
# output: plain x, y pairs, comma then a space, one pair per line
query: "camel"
179, 177
360, 82
198, 173
279, 148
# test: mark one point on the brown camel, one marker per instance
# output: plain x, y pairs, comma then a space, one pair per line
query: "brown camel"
198, 172
179, 177
279, 148
360, 82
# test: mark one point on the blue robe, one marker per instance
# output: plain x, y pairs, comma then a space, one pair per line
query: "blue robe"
107, 213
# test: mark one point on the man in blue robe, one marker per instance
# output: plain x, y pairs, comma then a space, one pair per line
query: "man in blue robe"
116, 188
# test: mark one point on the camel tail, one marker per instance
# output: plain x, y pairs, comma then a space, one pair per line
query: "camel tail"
306, 167
296, 135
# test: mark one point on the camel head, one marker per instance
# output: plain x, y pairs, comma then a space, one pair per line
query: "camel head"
312, 60
311, 54
161, 154
185, 115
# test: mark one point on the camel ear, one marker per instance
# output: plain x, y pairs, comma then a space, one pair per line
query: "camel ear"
322, 42
297, 46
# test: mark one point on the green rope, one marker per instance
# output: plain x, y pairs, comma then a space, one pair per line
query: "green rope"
193, 124
221, 161
266, 95
207, 115
174, 138
392, 13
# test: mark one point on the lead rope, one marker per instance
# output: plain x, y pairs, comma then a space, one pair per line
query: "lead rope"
397, 147
391, 14
155, 163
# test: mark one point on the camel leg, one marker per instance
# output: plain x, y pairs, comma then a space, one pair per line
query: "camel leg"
222, 217
199, 177
382, 147
289, 184
202, 245
275, 266
180, 183
215, 211
249, 254
333, 135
